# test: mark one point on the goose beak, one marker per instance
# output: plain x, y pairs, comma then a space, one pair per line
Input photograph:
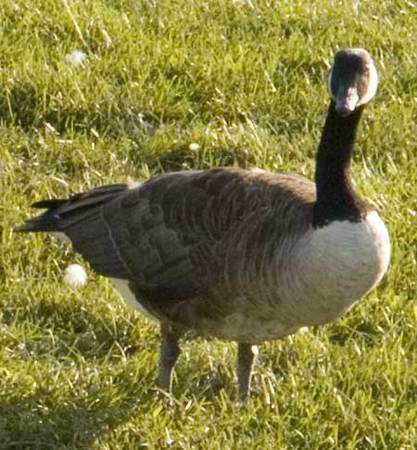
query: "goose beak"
346, 101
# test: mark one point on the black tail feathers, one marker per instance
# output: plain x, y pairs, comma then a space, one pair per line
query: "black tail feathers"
60, 213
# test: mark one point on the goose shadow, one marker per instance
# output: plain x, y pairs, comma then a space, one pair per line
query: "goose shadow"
85, 417
86, 411
36, 422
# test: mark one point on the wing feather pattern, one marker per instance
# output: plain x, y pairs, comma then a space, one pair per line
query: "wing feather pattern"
182, 236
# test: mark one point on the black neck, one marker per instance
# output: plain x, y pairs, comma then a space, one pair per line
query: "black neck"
336, 198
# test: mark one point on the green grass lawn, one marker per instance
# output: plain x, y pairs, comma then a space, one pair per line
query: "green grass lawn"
246, 80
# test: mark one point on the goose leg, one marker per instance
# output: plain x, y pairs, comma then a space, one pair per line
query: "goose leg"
245, 359
170, 351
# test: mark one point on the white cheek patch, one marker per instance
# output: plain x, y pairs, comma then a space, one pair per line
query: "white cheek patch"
329, 84
372, 86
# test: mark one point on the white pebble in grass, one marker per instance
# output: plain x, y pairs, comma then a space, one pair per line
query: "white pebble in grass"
194, 147
75, 275
303, 330
75, 58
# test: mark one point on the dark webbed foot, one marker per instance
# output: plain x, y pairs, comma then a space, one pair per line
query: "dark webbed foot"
170, 350
245, 359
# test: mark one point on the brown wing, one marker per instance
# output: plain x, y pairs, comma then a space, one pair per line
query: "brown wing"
186, 234
183, 234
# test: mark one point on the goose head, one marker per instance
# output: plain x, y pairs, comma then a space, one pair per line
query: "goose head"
352, 81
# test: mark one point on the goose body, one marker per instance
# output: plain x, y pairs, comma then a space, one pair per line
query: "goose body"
247, 256
296, 275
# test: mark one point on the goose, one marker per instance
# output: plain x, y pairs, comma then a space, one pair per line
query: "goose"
241, 255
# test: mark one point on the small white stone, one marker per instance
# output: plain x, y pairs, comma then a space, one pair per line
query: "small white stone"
194, 147
75, 275
75, 58
132, 184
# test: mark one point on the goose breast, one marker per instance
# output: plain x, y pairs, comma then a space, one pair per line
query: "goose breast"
339, 263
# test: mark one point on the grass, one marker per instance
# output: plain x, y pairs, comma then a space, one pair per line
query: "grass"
246, 81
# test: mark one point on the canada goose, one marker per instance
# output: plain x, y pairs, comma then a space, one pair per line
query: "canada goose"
241, 255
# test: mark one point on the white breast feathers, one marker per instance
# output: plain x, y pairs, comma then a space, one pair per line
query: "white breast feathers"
339, 263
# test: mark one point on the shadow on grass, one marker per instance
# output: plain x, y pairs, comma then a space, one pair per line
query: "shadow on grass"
21, 105
180, 158
80, 421
34, 423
